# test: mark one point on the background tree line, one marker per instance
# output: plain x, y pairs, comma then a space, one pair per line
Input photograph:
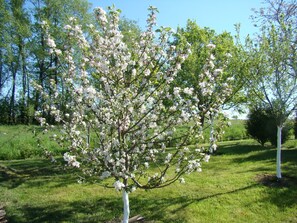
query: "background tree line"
25, 57
252, 72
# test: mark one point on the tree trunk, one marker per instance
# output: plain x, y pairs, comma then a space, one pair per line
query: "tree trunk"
1, 71
41, 72
126, 206
211, 135
24, 112
278, 153
12, 97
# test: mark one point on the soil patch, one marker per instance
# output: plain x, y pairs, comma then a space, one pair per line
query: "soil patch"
270, 180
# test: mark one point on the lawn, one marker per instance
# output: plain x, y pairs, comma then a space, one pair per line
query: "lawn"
235, 186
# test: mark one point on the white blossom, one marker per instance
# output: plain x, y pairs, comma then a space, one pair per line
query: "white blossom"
146, 164
67, 27
168, 158
43, 22
105, 174
176, 91
218, 71
71, 160
51, 43
211, 46
118, 185
188, 91
206, 158
229, 55
75, 164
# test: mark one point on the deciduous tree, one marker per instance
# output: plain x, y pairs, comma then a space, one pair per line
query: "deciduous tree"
214, 70
123, 97
274, 70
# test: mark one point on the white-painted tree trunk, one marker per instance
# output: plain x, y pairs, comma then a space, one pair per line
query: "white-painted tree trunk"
126, 206
278, 152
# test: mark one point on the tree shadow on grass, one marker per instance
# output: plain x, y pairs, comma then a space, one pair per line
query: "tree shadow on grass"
35, 173
154, 209
247, 153
238, 148
101, 210
288, 159
109, 209
106, 209
283, 198
282, 192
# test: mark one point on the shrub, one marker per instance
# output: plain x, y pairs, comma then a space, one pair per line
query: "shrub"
261, 125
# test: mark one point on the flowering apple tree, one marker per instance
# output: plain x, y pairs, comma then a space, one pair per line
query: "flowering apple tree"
214, 88
122, 97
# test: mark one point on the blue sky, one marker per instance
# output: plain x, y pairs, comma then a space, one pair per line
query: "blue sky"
220, 15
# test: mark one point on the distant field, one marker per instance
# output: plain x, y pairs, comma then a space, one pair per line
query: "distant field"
237, 185
236, 131
20, 142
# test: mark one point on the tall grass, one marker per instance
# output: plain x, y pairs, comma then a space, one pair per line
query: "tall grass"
22, 142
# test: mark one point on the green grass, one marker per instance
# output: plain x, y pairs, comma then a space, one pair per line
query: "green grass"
21, 142
228, 190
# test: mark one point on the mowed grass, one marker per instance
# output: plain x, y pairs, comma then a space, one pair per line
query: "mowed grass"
231, 188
